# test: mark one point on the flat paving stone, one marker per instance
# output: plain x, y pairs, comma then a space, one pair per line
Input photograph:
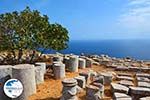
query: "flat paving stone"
144, 84
119, 88
126, 83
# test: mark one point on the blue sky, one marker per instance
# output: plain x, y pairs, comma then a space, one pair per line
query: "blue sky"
92, 19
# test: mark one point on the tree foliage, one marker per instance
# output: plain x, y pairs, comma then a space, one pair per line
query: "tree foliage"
29, 30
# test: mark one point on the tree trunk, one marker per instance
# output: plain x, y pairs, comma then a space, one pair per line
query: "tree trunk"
32, 56
14, 57
20, 53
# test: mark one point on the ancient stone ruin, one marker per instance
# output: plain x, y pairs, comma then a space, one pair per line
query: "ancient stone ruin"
122, 79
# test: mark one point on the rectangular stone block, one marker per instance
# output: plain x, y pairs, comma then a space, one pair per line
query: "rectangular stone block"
119, 88
81, 81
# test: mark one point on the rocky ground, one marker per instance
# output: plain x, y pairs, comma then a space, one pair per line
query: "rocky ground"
125, 81
51, 88
105, 77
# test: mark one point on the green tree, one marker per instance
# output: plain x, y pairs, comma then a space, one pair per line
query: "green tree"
29, 30
56, 38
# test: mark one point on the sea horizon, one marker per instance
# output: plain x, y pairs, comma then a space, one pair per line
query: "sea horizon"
120, 48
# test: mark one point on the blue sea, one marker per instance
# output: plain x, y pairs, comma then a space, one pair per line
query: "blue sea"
138, 49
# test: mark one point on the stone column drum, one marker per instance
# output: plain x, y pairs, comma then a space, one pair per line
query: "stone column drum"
26, 74
73, 64
40, 70
88, 63
101, 88
82, 63
69, 90
59, 70
42, 66
81, 81
57, 59
5, 74
87, 76
66, 62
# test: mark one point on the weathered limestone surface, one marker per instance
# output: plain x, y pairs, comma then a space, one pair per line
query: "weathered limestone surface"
26, 74
88, 62
95, 63
59, 70
121, 68
66, 62
107, 77
86, 75
125, 78
73, 64
124, 74
79, 89
101, 88
138, 92
40, 70
98, 79
39, 75
143, 79
92, 93
5, 74
145, 98
81, 81
144, 84
119, 88
42, 66
111, 66
57, 58
120, 96
69, 90
123, 99
145, 69
126, 83
143, 75
134, 69
82, 63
